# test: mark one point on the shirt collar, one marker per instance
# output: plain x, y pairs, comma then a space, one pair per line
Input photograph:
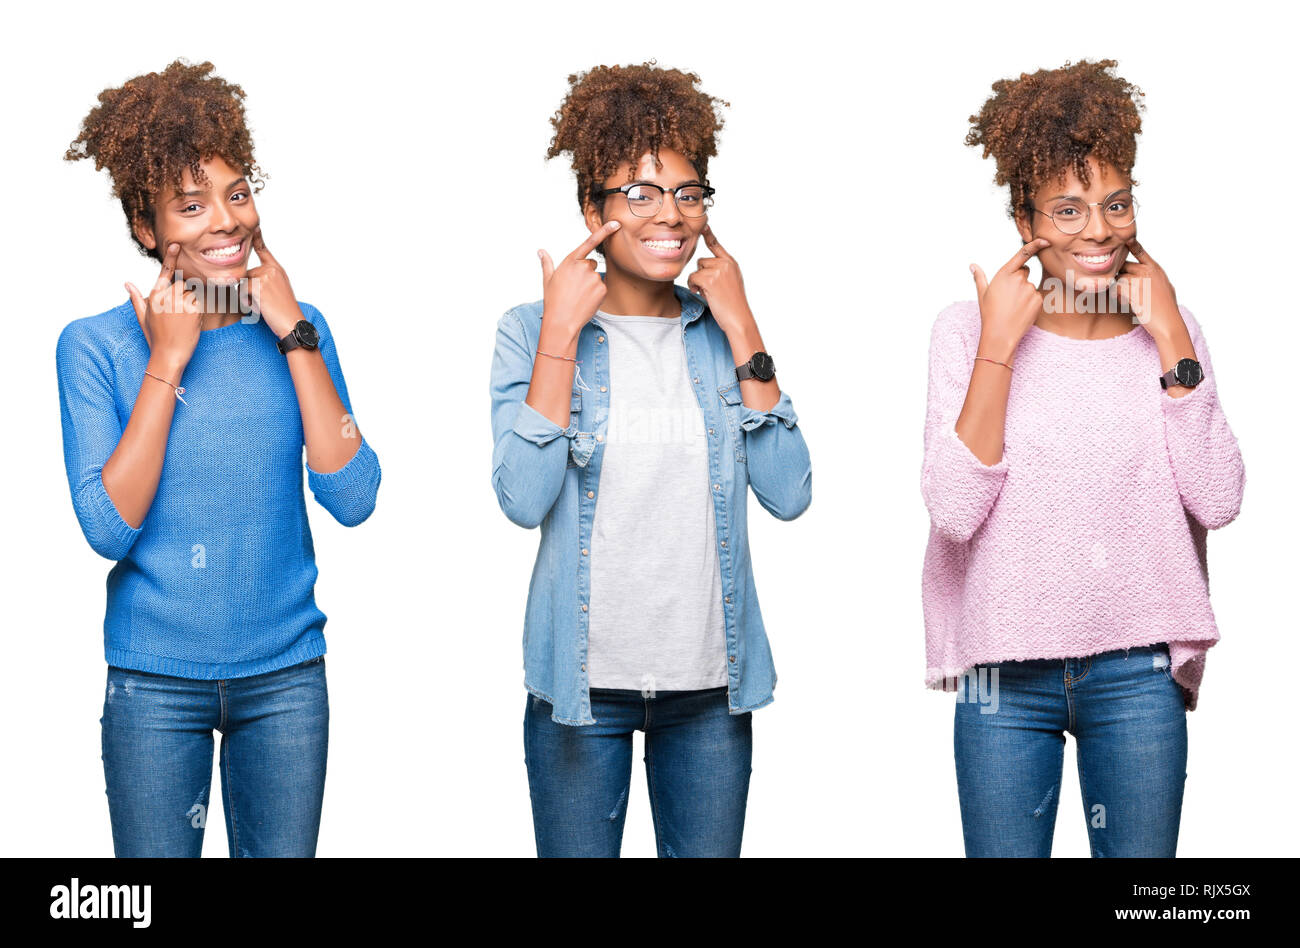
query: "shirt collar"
692, 306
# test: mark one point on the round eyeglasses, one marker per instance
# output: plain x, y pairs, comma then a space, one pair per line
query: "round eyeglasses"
1071, 214
644, 200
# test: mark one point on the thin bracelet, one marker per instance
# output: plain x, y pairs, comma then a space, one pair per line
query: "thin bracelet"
175, 388
565, 358
996, 362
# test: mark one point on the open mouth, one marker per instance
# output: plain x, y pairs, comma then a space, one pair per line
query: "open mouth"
225, 254
667, 248
1095, 262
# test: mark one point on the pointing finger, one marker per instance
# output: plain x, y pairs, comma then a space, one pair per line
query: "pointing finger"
981, 281
168, 266
1022, 256
711, 241
259, 245
595, 240
548, 267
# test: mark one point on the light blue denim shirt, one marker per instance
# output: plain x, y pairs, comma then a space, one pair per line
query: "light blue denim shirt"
548, 475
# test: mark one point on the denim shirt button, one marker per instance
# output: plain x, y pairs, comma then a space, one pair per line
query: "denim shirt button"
584, 551
726, 598
717, 487
724, 544
584, 607
600, 338
710, 431
584, 666
600, 437
604, 389
732, 659
591, 493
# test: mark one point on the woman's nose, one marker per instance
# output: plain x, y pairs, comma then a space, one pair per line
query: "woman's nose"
222, 217
668, 212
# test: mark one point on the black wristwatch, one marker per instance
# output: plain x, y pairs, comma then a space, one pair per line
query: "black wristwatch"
760, 366
302, 336
1186, 373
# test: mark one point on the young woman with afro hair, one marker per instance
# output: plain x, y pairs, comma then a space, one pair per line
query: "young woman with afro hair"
1076, 454
630, 418
185, 412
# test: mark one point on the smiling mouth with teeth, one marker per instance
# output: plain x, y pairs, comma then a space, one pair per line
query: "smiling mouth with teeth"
224, 253
663, 244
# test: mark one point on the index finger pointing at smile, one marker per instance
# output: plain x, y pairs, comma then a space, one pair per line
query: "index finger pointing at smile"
594, 241
1137, 250
259, 245
711, 241
168, 267
1022, 256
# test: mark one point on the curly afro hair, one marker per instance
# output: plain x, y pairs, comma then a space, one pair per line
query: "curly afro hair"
1044, 123
613, 115
148, 131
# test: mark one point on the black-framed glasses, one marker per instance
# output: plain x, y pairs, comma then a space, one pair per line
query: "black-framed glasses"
1071, 214
644, 200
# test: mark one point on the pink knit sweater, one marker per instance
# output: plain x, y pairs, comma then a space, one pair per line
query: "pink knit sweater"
1089, 534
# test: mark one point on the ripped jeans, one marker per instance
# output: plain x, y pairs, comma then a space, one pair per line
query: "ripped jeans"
157, 747
1126, 714
697, 760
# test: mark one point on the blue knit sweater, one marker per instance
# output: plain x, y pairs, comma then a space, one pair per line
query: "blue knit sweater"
218, 580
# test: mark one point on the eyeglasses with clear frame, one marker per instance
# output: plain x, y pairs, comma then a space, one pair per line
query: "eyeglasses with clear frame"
1071, 215
644, 199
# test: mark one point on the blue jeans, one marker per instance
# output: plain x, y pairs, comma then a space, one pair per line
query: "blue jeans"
1126, 714
697, 758
157, 743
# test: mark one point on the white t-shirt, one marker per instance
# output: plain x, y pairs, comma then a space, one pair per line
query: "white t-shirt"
655, 619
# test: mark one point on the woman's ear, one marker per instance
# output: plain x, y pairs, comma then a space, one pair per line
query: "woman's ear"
594, 219
144, 233
1023, 224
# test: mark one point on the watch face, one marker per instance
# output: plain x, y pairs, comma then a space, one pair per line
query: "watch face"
308, 337
1188, 372
763, 366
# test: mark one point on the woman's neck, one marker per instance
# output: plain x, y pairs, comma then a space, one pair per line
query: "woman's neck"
220, 306
628, 295
1083, 315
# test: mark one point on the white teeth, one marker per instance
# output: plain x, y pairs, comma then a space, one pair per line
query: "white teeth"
663, 244
224, 252
1093, 258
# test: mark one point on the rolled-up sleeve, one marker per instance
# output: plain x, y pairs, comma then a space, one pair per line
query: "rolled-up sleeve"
780, 470
530, 452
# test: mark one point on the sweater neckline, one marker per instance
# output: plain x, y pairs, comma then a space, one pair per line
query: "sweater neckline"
1035, 329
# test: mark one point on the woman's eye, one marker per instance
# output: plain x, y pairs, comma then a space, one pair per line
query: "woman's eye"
189, 208
239, 194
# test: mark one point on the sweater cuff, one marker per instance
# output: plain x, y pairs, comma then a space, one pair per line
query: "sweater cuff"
782, 411
122, 534
532, 425
359, 470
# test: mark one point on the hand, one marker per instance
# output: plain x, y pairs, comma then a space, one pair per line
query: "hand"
272, 295
718, 281
573, 291
1009, 303
1144, 287
170, 317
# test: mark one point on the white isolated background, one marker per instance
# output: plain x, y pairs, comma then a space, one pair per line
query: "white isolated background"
399, 139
